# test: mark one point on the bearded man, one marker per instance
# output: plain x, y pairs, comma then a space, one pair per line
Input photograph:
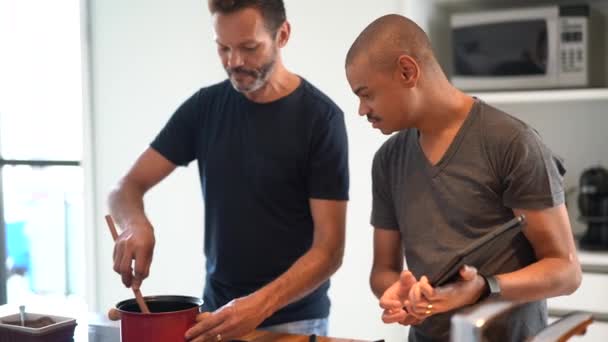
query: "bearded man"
272, 156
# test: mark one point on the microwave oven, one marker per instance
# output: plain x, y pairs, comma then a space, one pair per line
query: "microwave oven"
537, 47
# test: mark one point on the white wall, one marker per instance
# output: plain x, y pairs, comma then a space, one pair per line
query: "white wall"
147, 57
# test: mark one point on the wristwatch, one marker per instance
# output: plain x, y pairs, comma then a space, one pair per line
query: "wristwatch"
492, 289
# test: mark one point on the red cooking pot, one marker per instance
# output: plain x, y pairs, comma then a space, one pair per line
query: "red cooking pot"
170, 318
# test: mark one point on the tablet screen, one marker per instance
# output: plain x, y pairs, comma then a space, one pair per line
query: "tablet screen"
477, 252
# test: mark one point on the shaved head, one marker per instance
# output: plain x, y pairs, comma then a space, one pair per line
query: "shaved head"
392, 70
387, 38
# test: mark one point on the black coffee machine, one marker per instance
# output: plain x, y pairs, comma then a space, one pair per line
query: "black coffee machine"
593, 206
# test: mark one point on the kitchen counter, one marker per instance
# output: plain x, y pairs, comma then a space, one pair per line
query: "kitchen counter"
266, 336
100, 329
93, 327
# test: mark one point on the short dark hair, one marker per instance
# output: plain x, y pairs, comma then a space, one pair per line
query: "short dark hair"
273, 11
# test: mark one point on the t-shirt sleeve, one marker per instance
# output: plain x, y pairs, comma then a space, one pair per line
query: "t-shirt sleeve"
383, 208
177, 141
532, 173
328, 177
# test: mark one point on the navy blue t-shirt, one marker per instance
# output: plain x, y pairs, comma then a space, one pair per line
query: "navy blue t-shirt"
259, 165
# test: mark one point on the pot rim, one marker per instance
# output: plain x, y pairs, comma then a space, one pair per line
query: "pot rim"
198, 302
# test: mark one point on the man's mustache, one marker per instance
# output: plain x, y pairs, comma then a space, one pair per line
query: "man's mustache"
241, 70
372, 117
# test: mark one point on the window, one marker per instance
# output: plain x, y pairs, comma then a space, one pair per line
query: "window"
41, 146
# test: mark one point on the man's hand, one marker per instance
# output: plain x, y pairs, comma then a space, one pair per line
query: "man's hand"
231, 321
134, 243
424, 300
394, 298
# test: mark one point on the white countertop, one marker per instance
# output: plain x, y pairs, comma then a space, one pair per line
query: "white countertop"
91, 327
593, 261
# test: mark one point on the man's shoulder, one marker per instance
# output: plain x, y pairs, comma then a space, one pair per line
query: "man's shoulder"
394, 146
495, 116
498, 126
215, 88
211, 96
318, 98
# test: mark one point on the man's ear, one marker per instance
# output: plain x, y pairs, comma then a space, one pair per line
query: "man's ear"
283, 34
409, 71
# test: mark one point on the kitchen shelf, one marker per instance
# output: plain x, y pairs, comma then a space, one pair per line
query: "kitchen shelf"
593, 219
536, 96
594, 259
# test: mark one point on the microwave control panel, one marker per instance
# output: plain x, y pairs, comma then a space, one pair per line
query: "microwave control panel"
573, 43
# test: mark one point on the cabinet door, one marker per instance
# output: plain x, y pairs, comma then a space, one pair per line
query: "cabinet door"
592, 295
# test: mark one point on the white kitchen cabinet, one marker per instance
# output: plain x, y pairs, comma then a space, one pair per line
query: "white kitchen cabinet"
597, 332
592, 296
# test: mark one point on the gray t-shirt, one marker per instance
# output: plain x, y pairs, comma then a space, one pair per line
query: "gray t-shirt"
494, 164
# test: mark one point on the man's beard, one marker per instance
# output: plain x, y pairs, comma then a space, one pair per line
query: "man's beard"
260, 76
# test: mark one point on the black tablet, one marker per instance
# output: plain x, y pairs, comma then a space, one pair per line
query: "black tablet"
477, 252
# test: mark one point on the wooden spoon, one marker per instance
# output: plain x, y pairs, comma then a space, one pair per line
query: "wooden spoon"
139, 298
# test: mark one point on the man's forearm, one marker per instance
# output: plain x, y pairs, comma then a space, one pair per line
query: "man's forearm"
382, 280
127, 205
303, 277
549, 277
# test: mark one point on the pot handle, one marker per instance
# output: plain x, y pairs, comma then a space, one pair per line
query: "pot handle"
113, 314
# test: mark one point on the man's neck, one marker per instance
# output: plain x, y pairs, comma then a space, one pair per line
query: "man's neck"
446, 115
280, 84
443, 123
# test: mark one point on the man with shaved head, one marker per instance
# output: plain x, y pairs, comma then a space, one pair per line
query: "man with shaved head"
455, 170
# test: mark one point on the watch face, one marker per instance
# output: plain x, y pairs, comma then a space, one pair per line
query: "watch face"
493, 286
